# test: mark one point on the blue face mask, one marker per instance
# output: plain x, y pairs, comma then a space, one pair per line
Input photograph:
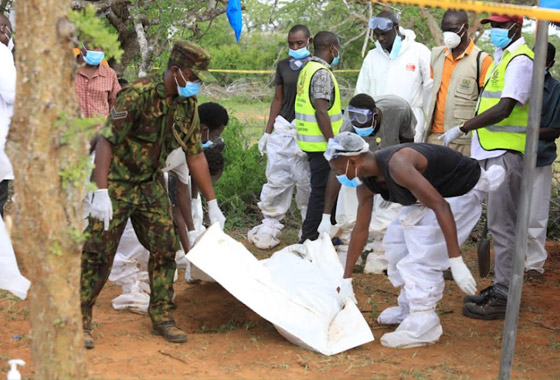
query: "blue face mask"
499, 37
207, 144
336, 59
93, 57
396, 49
190, 89
363, 132
345, 181
299, 53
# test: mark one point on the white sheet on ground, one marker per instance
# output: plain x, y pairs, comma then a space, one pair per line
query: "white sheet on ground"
296, 290
10, 276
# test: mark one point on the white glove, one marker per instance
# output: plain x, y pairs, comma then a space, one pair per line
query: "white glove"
326, 225
192, 235
195, 211
262, 143
215, 214
345, 289
462, 275
451, 135
101, 207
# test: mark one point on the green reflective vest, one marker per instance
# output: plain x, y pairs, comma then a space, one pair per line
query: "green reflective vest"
509, 133
309, 136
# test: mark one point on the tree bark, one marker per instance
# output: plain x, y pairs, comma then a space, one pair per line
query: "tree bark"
47, 216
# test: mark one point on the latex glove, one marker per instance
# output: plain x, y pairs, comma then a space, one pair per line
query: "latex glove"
451, 135
215, 214
262, 143
326, 225
462, 275
192, 235
345, 289
101, 207
195, 211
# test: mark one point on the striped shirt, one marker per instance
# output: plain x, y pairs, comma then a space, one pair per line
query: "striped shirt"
96, 95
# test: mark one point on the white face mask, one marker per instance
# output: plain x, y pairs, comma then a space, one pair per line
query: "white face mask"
11, 44
451, 39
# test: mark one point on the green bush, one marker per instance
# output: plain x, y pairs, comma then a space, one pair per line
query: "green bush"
239, 188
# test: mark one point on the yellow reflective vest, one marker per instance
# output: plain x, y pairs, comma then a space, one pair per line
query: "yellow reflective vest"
509, 133
309, 135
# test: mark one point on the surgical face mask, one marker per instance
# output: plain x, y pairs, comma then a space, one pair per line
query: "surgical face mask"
396, 49
336, 59
190, 89
345, 181
299, 53
94, 57
500, 37
363, 132
11, 44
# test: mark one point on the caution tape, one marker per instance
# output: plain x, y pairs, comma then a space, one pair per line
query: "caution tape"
269, 71
484, 7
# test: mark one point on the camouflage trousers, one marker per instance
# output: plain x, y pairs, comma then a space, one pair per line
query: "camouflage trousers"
149, 210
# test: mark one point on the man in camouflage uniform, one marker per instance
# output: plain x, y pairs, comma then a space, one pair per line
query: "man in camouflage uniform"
151, 117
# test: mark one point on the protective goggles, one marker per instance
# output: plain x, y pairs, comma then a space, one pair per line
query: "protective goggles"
358, 115
381, 23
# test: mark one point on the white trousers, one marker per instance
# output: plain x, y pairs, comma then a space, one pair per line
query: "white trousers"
287, 168
538, 220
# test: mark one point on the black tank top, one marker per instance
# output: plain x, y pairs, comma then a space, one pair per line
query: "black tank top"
449, 172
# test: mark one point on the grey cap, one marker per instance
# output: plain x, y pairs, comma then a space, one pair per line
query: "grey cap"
345, 144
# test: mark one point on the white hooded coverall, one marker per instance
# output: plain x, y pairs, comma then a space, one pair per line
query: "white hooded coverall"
407, 76
286, 168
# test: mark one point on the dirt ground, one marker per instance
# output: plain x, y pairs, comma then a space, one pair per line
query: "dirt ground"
227, 340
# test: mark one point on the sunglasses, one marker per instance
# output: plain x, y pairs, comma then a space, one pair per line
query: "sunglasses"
359, 115
381, 23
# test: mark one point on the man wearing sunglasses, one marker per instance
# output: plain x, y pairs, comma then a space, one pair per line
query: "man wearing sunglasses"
397, 66
383, 122
152, 117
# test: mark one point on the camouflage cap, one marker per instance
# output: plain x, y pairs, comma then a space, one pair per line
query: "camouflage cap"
194, 57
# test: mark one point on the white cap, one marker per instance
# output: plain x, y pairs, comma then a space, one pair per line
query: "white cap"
345, 144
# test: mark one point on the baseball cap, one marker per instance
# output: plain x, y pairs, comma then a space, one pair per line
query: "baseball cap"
502, 18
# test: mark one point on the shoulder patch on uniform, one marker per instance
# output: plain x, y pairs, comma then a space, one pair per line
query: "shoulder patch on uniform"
116, 115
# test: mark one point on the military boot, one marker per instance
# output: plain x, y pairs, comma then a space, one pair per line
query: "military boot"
170, 332
88, 339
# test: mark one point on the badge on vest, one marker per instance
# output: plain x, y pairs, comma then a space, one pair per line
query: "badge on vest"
410, 67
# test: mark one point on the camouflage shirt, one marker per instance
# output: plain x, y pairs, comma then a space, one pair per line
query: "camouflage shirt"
142, 125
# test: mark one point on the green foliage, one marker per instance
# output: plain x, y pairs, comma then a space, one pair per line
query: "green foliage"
94, 30
239, 187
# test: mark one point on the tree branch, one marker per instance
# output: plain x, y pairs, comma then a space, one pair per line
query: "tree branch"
433, 26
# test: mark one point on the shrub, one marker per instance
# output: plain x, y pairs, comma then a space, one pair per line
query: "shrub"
239, 188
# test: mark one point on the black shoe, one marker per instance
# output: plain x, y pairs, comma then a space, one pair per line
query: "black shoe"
480, 297
493, 308
533, 276
170, 332
88, 339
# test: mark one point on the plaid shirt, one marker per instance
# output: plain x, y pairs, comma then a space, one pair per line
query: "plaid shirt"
96, 95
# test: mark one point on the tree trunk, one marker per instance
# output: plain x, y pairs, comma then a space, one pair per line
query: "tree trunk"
47, 216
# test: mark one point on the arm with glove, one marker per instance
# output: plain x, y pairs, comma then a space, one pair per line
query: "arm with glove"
275, 109
200, 174
489, 117
101, 207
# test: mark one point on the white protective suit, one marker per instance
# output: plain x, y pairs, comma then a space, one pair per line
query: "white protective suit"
10, 276
287, 167
383, 214
417, 255
407, 76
